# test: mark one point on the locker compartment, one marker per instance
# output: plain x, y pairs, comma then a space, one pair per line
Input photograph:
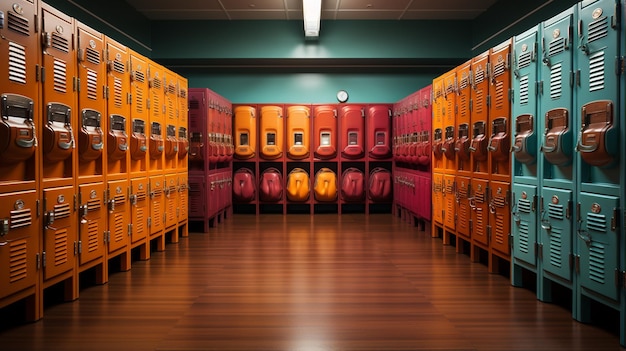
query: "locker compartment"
500, 81
500, 217
325, 185
478, 147
437, 197
139, 209
183, 145
244, 187
298, 185
58, 136
525, 143
90, 137
171, 145
119, 213
19, 241
92, 222
213, 196
352, 126
325, 132
171, 191
298, 124
117, 140
245, 132
156, 222
183, 197
196, 149
379, 135
479, 203
271, 185
449, 200
380, 185
557, 230
424, 148
447, 145
524, 226
157, 121
197, 197
463, 209
59, 233
462, 147
271, 132
557, 139
183, 103
17, 129
598, 142
353, 185
221, 137
598, 244
425, 122
170, 80
228, 188
138, 143
156, 145
479, 95
438, 148
463, 120
499, 145
118, 106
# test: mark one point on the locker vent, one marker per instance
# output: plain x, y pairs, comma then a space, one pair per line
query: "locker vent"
171, 89
60, 76
449, 186
156, 83
93, 56
556, 77
499, 68
171, 210
119, 67
556, 247
194, 104
449, 89
20, 218
523, 90
60, 43
61, 211
596, 71
92, 84
479, 197
480, 98
557, 46
462, 193
183, 93
17, 63
501, 228
480, 76
479, 226
119, 226
17, 266
525, 58
139, 76
596, 222
156, 105
598, 29
140, 221
139, 105
438, 187
524, 205
141, 196
157, 221
94, 204
463, 83
60, 247
117, 92
464, 215
555, 211
523, 240
596, 262
499, 103
463, 104
18, 24
170, 109
120, 199
92, 236
499, 201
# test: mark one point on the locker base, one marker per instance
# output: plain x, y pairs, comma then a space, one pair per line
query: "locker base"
157, 241
183, 229
143, 248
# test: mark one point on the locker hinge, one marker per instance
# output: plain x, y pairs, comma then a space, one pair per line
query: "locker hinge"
129, 98
471, 225
130, 229
572, 259
43, 259
42, 74
80, 247
618, 280
37, 73
577, 76
37, 258
107, 236
537, 250
106, 93
164, 217
540, 87
471, 105
148, 104
614, 219
362, 113
568, 210
488, 100
511, 94
75, 202
577, 264
572, 78
620, 65
534, 205
39, 212
578, 212
149, 222
75, 82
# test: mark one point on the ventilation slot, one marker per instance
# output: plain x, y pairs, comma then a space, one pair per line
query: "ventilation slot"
194, 104
479, 101
598, 29
17, 266
156, 83
523, 90
171, 210
156, 105
596, 222
479, 228
140, 221
499, 95
463, 103
523, 205
17, 63
61, 211
157, 220
92, 84
60, 43
555, 211
479, 197
596, 262
119, 67
21, 218
556, 247
60, 76
60, 247
596, 71
499, 201
463, 193
499, 68
139, 105
500, 228
120, 199
18, 24
140, 76
170, 108
523, 237
525, 59
118, 227
117, 92
556, 47
480, 77
183, 93
93, 56
92, 236
171, 89
94, 204
556, 77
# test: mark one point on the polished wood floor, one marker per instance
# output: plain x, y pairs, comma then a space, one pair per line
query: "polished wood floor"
300, 282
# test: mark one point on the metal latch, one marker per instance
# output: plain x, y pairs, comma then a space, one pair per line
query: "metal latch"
133, 199
49, 218
112, 205
4, 226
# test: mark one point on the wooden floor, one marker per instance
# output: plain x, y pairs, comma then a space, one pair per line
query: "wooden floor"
300, 282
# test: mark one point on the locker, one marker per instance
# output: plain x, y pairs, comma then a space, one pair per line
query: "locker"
183, 114
197, 197
183, 147
500, 110
156, 222
19, 242
271, 132
424, 190
298, 185
437, 197
244, 189
480, 115
138, 145
353, 185
524, 218
59, 233
271, 185
325, 185
157, 119
228, 137
215, 128
170, 191
449, 120
213, 195
19, 138
437, 125
352, 126
298, 131
379, 135
170, 96
463, 210
479, 203
425, 118
500, 217
325, 132
170, 146
414, 131
380, 185
92, 222
157, 146
139, 113
557, 229
463, 121
245, 132
183, 198
139, 209
395, 129
118, 230
449, 201
228, 188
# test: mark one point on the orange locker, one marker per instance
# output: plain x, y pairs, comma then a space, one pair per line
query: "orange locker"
156, 147
271, 132
449, 201
500, 218
463, 120
183, 122
171, 190
479, 203
352, 131
437, 125
437, 198
139, 114
92, 224
183, 148
19, 161
183, 201
325, 132
500, 111
139, 213
379, 135
119, 220
463, 210
156, 222
298, 185
325, 186
170, 149
171, 121
480, 116
138, 147
156, 117
449, 121
245, 132
298, 131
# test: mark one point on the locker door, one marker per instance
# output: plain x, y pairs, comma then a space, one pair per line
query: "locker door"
59, 235
352, 131
298, 124
426, 118
449, 120
480, 211
213, 197
197, 197
463, 209
197, 132
500, 216
171, 190
437, 198
557, 231
463, 120
118, 108
500, 111
379, 136
119, 213
157, 206
437, 124
524, 217
245, 132
19, 242
139, 209
598, 244
92, 222
271, 132
139, 113
183, 197
157, 121
449, 199
425, 197
480, 114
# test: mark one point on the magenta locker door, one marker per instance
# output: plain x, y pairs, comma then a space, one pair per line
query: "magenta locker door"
352, 136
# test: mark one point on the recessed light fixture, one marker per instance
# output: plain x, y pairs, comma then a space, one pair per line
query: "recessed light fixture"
312, 12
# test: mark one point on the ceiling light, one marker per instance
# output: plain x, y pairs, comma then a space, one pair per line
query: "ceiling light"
312, 11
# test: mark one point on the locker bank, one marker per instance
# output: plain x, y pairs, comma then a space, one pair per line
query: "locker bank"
237, 175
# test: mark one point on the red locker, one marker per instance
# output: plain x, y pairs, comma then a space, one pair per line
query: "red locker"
380, 185
353, 185
425, 125
197, 197
244, 187
271, 185
352, 131
379, 135
325, 132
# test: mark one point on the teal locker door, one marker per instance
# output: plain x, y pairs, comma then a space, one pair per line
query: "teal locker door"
524, 223
556, 231
598, 245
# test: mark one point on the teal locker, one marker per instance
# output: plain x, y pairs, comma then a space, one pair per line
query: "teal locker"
524, 223
556, 232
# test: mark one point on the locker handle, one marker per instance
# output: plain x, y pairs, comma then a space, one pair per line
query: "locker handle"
545, 223
584, 236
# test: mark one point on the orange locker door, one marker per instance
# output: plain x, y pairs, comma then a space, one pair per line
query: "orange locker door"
379, 135
437, 125
449, 120
271, 132
500, 111
183, 197
171, 148
352, 131
480, 115
118, 108
92, 222
449, 197
119, 213
437, 197
298, 133
59, 235
245, 132
325, 186
138, 147
500, 217
139, 209
480, 212
19, 242
325, 132
171, 190
463, 209
157, 122
156, 222
139, 113
463, 119
183, 122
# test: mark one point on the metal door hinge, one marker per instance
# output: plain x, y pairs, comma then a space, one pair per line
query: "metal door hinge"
43, 259
577, 264
149, 222
620, 65
75, 248
130, 229
80, 247
38, 259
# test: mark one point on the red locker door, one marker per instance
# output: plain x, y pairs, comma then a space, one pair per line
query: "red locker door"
425, 122
197, 197
425, 196
352, 128
379, 136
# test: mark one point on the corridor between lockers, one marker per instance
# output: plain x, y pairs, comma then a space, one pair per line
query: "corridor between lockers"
302, 282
